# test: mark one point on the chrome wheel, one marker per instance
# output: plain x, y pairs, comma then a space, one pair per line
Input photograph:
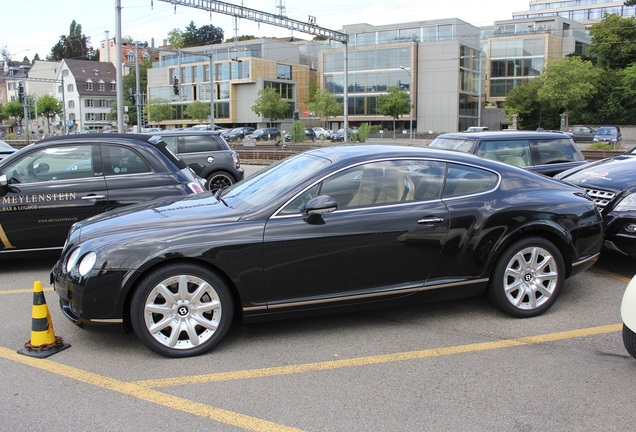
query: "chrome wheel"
528, 278
181, 310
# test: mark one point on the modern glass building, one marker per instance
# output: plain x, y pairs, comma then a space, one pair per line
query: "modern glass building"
583, 11
438, 63
519, 49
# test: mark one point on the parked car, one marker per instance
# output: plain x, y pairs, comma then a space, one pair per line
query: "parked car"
609, 134
628, 316
331, 229
547, 153
3, 134
208, 154
6, 149
611, 183
310, 135
237, 133
339, 135
50, 185
206, 127
265, 134
582, 133
477, 129
322, 133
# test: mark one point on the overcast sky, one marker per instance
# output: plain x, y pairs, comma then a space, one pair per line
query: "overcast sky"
35, 26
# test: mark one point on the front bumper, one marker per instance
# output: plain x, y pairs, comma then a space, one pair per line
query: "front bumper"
620, 233
95, 298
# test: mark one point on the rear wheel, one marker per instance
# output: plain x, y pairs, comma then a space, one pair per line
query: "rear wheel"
181, 310
528, 278
219, 180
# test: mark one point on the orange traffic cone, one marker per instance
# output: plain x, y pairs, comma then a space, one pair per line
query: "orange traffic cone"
43, 342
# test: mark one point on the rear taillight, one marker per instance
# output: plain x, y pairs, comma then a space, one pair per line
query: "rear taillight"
195, 187
237, 160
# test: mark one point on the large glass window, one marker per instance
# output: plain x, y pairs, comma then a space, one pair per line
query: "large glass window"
283, 71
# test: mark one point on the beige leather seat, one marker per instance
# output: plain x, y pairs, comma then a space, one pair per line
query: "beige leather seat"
515, 156
396, 187
369, 188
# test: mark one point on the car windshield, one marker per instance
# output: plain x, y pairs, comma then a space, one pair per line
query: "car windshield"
606, 131
452, 144
271, 183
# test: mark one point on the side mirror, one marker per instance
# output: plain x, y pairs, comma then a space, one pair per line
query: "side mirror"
3, 180
317, 206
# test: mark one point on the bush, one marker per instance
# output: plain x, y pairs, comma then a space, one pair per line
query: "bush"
363, 131
297, 132
601, 146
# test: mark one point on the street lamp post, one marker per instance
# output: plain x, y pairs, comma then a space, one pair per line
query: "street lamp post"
411, 101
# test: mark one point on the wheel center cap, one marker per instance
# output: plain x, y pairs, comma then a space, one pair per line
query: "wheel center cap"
182, 311
527, 277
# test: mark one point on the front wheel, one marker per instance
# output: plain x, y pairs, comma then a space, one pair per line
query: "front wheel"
219, 180
528, 278
629, 340
181, 310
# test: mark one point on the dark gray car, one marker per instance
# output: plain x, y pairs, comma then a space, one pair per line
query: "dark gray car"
544, 152
208, 154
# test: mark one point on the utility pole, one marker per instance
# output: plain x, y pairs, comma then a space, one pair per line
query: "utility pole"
118, 68
138, 88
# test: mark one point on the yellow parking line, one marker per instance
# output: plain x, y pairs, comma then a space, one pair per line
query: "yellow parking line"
371, 360
148, 395
23, 291
611, 274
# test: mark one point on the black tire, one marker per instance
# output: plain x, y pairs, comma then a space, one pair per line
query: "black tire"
181, 310
528, 278
629, 340
219, 180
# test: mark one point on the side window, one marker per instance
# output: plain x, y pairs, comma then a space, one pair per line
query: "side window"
51, 164
171, 143
512, 152
122, 160
378, 183
466, 180
197, 144
555, 151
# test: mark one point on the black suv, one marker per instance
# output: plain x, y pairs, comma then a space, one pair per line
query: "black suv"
546, 153
208, 154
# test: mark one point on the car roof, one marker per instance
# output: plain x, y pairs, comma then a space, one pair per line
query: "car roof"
98, 137
189, 132
505, 135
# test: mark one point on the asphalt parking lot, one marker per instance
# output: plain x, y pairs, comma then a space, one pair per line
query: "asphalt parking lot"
457, 365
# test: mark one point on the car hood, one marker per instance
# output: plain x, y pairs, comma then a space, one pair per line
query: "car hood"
159, 215
617, 173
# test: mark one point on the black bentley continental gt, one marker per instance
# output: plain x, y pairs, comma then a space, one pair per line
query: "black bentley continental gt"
329, 230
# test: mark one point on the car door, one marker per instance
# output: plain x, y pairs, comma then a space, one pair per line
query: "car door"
49, 189
381, 242
131, 179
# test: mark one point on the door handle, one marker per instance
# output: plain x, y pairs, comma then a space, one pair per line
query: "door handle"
430, 220
93, 197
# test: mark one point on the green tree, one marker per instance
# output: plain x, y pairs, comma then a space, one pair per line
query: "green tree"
158, 110
325, 105
48, 107
242, 38
394, 104
363, 132
613, 41
198, 110
175, 38
75, 45
269, 104
532, 113
14, 109
568, 84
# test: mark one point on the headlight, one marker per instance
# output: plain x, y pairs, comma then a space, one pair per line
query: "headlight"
87, 262
626, 204
72, 260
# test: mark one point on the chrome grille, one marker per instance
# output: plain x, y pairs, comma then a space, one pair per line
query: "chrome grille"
600, 197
